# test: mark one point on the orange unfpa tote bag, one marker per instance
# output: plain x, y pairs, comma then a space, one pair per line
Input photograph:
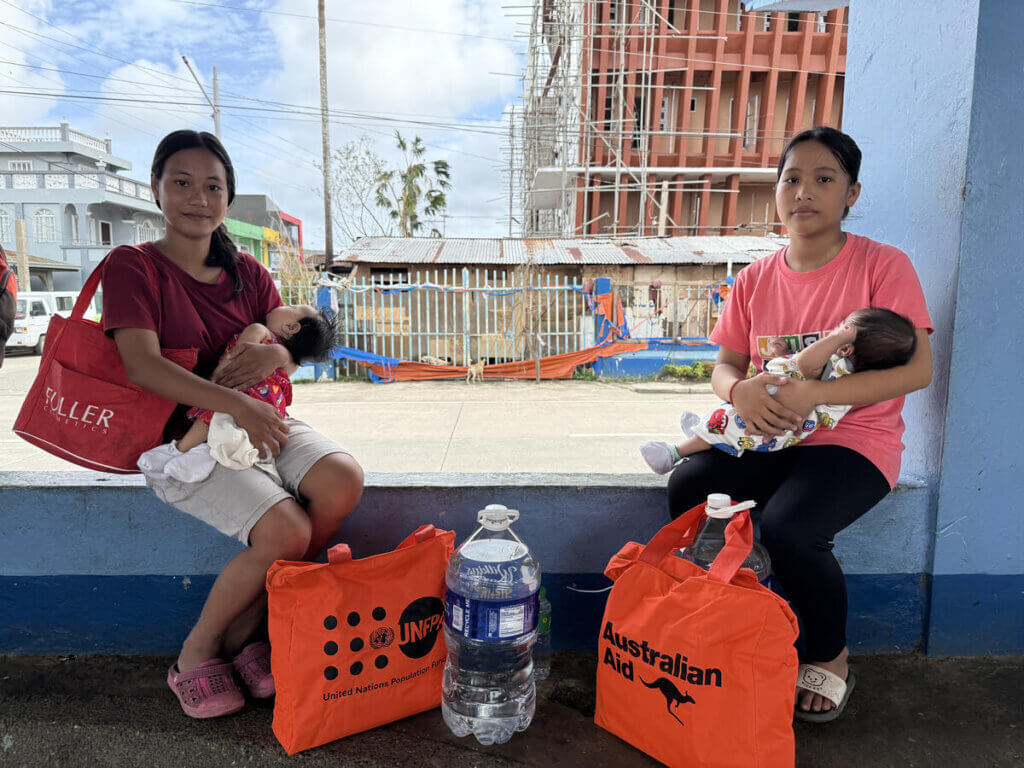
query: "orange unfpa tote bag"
697, 668
357, 643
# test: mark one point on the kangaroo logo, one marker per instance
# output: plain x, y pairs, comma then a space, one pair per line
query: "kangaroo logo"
671, 694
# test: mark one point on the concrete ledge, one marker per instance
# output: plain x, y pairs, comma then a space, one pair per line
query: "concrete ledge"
95, 563
668, 387
96, 524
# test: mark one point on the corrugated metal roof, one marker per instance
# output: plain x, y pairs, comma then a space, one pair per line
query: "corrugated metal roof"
512, 251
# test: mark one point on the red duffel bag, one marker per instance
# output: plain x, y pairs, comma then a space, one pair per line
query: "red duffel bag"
82, 407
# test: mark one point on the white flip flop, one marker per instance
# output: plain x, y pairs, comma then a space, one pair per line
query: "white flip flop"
827, 684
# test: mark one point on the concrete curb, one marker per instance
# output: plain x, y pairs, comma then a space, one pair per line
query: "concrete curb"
667, 387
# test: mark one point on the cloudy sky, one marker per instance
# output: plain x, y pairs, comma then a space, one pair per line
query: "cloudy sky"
426, 67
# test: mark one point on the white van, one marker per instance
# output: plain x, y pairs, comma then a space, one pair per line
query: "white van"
33, 312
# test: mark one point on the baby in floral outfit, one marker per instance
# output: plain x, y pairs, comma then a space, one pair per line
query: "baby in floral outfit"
869, 339
308, 334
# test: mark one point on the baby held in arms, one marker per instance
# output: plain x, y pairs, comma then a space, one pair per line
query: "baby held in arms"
869, 339
308, 335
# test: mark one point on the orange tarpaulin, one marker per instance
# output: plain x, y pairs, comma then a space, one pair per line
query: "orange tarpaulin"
554, 367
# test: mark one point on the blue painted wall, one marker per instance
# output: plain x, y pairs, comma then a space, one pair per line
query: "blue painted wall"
648, 362
934, 100
90, 565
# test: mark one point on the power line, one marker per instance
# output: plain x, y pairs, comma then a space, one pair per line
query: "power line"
189, 90
355, 22
122, 103
132, 99
92, 49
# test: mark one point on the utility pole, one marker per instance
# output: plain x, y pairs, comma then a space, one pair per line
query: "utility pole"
21, 255
214, 102
325, 134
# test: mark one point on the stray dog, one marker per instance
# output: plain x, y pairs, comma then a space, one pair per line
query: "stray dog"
429, 360
476, 370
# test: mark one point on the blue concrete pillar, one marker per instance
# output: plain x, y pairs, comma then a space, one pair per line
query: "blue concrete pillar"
933, 97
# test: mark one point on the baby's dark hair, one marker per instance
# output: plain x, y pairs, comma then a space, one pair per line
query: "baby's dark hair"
313, 342
885, 339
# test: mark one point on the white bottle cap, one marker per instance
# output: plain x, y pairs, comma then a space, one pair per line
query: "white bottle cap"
719, 500
496, 517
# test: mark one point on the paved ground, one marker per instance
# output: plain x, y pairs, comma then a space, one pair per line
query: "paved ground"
447, 426
98, 711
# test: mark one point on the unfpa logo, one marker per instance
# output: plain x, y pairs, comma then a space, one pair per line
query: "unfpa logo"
419, 626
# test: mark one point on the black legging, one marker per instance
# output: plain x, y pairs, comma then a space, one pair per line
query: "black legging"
805, 496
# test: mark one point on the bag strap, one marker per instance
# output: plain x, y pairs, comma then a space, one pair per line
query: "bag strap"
739, 540
5, 270
679, 533
342, 553
339, 553
421, 534
93, 282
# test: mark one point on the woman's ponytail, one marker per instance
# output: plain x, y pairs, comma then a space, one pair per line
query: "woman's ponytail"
224, 254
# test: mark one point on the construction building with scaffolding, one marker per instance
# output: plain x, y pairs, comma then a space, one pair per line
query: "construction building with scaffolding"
666, 117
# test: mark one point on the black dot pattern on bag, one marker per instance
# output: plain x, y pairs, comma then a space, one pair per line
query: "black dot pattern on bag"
381, 637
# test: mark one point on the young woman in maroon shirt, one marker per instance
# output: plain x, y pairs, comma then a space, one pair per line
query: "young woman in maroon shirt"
208, 292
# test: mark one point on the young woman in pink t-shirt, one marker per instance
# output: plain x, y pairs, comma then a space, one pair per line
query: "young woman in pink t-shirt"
193, 289
811, 492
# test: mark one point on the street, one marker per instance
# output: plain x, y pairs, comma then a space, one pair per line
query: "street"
445, 426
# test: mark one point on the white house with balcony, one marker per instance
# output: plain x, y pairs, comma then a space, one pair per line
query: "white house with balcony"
68, 188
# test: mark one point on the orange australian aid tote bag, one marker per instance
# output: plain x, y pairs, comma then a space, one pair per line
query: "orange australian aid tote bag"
697, 668
82, 406
357, 643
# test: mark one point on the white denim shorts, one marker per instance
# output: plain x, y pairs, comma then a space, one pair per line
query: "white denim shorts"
234, 500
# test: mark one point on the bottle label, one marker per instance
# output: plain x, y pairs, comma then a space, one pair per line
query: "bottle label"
494, 551
490, 619
544, 625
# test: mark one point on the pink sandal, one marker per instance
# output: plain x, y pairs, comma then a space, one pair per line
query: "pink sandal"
253, 665
209, 690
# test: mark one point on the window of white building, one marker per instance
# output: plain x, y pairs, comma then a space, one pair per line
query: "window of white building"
147, 232
20, 165
44, 226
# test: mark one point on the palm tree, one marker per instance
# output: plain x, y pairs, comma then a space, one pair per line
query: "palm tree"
420, 188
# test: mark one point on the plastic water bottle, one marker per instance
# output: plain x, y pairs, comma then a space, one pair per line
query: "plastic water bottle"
491, 610
542, 647
711, 539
